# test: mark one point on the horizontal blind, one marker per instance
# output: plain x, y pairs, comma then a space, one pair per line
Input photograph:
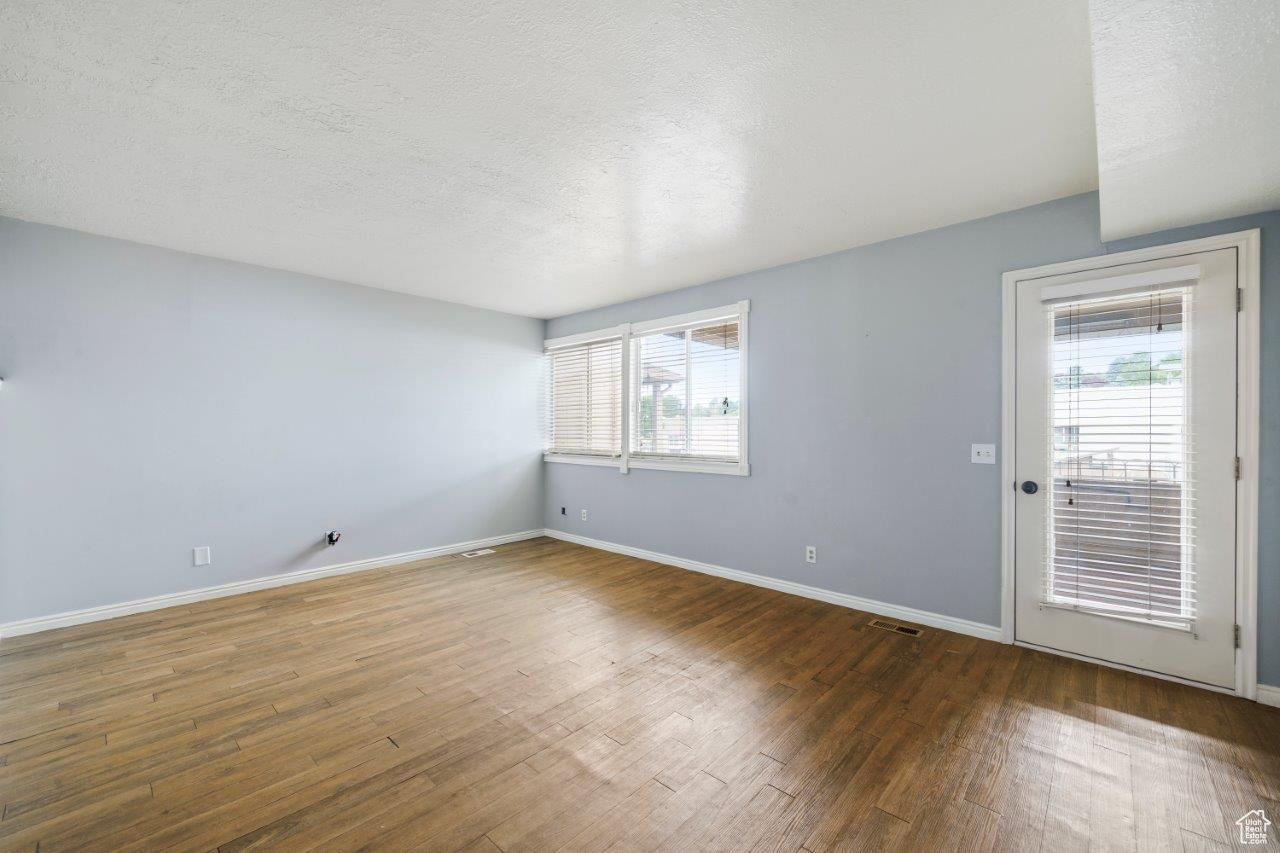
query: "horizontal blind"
585, 405
1121, 503
687, 393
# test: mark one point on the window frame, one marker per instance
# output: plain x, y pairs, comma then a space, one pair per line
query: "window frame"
626, 331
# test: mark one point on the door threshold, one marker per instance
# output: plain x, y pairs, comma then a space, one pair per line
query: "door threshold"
1229, 691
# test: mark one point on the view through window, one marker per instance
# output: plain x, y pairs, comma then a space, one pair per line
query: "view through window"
689, 395
666, 393
1121, 510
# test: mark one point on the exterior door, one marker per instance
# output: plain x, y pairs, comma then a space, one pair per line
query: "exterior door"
1126, 465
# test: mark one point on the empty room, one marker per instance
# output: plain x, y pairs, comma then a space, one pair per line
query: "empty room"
544, 425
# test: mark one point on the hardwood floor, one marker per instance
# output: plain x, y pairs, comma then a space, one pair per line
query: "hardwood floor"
550, 696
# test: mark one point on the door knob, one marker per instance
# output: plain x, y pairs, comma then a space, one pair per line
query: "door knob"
1030, 487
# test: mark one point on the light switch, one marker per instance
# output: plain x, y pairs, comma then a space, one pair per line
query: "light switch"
982, 454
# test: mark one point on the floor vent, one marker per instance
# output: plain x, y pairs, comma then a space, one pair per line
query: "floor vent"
886, 625
480, 553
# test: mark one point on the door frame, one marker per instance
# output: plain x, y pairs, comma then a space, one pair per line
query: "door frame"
1248, 277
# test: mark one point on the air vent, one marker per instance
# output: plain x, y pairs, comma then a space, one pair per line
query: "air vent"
886, 625
480, 553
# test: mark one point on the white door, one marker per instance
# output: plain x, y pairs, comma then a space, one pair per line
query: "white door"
1125, 462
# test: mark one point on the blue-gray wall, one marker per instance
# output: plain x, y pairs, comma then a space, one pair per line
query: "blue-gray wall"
872, 371
155, 401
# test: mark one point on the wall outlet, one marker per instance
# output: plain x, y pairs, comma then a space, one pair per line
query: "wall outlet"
584, 515
202, 556
811, 553
982, 454
562, 512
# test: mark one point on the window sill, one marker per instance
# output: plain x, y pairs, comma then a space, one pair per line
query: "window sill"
734, 469
606, 461
693, 466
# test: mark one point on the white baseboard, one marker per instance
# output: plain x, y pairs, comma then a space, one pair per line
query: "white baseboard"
880, 608
157, 602
1267, 694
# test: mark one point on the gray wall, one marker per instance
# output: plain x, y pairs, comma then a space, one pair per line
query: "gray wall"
155, 401
872, 371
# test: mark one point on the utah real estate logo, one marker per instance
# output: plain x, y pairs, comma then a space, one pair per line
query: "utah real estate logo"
1253, 827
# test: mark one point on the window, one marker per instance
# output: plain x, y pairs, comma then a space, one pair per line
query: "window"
666, 394
689, 393
586, 398
1123, 510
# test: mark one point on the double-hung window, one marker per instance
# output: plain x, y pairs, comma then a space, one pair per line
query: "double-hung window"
668, 394
585, 406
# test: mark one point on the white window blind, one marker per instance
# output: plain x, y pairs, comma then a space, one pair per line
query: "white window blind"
1121, 508
585, 405
687, 392
665, 394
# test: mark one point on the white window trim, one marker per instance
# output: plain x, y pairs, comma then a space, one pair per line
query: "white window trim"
581, 459
624, 463
697, 466
584, 338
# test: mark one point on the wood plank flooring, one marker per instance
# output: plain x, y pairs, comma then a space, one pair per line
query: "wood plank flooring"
550, 696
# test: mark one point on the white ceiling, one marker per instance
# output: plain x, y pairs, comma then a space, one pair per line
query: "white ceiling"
1188, 111
537, 156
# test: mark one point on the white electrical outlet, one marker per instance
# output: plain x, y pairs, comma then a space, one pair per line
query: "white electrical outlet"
982, 454
202, 556
811, 553
584, 515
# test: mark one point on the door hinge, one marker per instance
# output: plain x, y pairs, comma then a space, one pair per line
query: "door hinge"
1238, 475
1239, 298
1237, 634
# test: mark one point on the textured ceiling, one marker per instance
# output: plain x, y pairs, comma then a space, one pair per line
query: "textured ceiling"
537, 157
1188, 111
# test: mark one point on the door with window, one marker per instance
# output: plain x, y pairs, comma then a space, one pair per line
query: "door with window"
1125, 512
